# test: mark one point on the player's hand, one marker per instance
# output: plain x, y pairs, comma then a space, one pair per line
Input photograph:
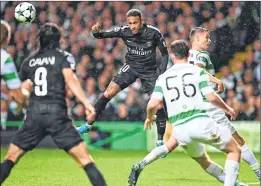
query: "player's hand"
96, 28
149, 122
232, 113
220, 87
90, 113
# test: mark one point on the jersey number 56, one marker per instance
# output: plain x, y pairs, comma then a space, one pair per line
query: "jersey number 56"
184, 85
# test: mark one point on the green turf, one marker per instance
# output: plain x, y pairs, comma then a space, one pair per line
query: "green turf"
47, 167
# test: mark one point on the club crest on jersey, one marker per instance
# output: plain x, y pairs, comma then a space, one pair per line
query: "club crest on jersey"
116, 29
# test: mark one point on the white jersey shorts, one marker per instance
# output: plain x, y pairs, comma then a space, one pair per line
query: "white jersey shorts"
219, 116
193, 134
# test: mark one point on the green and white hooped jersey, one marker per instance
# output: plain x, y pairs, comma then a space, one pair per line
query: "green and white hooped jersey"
8, 71
183, 87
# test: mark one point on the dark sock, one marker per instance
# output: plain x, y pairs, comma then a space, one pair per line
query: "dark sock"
5, 168
161, 123
100, 105
94, 175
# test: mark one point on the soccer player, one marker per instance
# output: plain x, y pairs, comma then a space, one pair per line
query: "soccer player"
8, 69
183, 87
141, 40
198, 55
49, 68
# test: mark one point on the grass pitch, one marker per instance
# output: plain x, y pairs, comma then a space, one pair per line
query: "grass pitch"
51, 167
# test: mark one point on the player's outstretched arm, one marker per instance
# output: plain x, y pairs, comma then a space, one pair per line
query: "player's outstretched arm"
215, 99
74, 85
97, 33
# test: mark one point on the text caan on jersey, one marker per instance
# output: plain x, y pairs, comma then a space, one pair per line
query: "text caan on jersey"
41, 61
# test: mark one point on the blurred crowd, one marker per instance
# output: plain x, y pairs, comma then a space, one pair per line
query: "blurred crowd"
234, 25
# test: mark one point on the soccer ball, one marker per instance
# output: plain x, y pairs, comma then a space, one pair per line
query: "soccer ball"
25, 12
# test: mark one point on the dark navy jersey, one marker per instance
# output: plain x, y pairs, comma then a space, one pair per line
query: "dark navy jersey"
44, 69
141, 48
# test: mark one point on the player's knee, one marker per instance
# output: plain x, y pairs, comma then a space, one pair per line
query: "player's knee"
84, 161
14, 153
237, 150
110, 93
240, 141
203, 160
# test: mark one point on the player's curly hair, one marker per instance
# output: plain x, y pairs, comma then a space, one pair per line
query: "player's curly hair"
5, 31
49, 35
134, 12
180, 49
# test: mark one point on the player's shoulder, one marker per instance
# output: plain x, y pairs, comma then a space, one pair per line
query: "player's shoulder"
69, 57
152, 28
5, 55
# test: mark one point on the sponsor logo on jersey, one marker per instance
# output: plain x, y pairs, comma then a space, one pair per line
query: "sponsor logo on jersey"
139, 51
41, 61
116, 29
149, 44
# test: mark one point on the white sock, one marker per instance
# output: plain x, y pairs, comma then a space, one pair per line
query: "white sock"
231, 171
153, 155
216, 171
3, 120
249, 157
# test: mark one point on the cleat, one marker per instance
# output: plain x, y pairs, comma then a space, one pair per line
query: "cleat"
160, 143
84, 128
238, 183
134, 175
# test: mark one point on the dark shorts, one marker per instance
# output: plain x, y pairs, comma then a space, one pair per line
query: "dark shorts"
126, 76
38, 125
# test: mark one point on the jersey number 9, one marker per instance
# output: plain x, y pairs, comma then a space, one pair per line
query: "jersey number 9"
40, 81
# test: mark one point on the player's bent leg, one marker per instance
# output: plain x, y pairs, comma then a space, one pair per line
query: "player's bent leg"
100, 105
161, 126
168, 131
232, 164
247, 155
240, 141
80, 153
213, 169
109, 93
152, 156
13, 154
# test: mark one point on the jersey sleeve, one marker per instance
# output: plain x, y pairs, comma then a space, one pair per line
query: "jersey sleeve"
204, 83
161, 44
157, 92
69, 62
202, 58
10, 75
113, 32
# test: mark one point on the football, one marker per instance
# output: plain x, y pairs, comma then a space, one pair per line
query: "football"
25, 12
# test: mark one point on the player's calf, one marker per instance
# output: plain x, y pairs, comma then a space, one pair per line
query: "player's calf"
232, 164
247, 155
13, 154
80, 154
